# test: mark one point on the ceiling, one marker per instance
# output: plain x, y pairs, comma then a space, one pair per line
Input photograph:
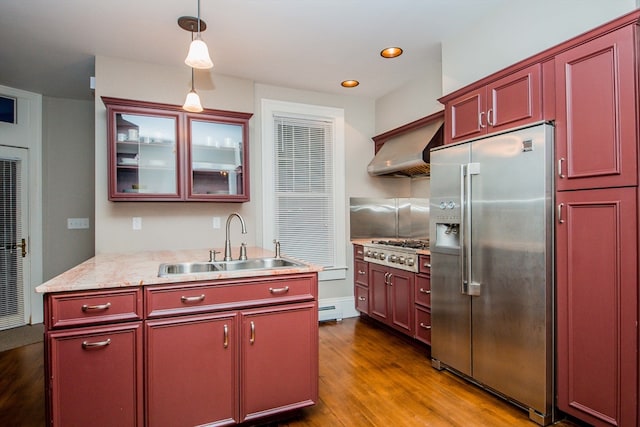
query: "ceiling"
48, 47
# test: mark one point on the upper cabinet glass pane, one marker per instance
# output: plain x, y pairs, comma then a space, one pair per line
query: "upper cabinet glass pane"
217, 158
146, 156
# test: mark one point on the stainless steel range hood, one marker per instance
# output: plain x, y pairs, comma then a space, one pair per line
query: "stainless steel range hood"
407, 153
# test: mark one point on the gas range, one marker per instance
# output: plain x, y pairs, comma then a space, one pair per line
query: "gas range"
402, 254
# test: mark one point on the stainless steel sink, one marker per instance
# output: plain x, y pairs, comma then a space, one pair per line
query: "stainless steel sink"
186, 268
257, 264
167, 270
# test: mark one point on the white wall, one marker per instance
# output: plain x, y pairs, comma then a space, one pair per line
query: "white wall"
68, 187
517, 31
165, 225
27, 133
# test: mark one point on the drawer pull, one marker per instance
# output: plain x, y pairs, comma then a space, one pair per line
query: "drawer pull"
225, 342
362, 273
425, 291
362, 298
199, 298
86, 307
426, 264
360, 252
252, 338
422, 325
88, 345
279, 290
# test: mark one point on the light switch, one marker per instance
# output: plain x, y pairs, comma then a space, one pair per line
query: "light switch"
77, 223
137, 223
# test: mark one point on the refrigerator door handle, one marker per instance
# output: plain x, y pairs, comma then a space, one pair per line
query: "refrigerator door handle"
463, 229
471, 287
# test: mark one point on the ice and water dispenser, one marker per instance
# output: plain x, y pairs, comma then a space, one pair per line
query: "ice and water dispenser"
445, 220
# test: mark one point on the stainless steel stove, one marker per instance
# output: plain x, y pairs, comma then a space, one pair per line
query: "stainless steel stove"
402, 254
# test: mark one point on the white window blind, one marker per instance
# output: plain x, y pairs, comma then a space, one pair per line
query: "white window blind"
304, 188
11, 288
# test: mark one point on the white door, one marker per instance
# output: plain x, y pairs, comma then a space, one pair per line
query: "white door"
14, 237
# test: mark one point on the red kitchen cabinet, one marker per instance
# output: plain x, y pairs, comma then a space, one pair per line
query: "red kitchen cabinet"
391, 297
596, 108
422, 300
597, 305
95, 376
158, 152
360, 280
279, 360
192, 370
510, 101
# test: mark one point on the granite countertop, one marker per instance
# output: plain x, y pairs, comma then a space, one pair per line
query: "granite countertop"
118, 270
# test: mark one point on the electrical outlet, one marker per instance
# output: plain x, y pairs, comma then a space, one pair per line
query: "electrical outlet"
216, 222
136, 223
77, 223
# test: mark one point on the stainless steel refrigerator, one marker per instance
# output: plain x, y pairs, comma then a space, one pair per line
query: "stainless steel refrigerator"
491, 231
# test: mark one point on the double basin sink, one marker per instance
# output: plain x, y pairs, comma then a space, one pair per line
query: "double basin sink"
171, 269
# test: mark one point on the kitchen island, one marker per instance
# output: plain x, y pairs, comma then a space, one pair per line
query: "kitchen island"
126, 347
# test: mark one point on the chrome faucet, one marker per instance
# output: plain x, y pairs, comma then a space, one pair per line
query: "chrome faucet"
227, 242
277, 243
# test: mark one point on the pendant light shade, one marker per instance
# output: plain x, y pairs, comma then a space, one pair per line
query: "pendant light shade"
192, 103
198, 56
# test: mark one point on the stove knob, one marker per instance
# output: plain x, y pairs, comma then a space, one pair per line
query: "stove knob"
393, 258
368, 253
374, 255
410, 262
401, 260
382, 256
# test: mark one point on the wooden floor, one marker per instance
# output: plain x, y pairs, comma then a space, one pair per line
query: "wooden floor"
368, 377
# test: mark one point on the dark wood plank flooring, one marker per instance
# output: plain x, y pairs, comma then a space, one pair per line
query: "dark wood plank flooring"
368, 377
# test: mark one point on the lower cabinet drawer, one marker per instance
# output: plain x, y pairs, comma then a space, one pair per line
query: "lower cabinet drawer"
423, 290
362, 299
423, 325
86, 308
188, 299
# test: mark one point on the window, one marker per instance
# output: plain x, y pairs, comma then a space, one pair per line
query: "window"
303, 194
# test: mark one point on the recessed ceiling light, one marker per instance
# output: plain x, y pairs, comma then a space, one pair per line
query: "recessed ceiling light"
391, 52
350, 83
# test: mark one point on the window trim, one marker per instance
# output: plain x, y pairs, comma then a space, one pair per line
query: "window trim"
271, 108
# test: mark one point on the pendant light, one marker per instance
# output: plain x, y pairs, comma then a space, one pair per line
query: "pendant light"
192, 102
198, 56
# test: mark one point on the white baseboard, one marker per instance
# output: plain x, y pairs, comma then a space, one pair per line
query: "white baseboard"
336, 308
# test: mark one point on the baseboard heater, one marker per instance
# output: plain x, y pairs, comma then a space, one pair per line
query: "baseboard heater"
329, 312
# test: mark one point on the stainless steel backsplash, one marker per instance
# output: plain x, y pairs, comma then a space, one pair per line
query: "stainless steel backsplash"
402, 218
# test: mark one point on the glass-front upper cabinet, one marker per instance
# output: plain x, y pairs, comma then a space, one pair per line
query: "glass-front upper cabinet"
217, 159
158, 152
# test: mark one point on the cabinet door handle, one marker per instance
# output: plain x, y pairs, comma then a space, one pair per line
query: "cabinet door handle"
362, 299
560, 207
560, 162
362, 273
86, 307
199, 298
225, 342
425, 291
490, 117
482, 125
252, 338
88, 345
422, 325
390, 277
279, 290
